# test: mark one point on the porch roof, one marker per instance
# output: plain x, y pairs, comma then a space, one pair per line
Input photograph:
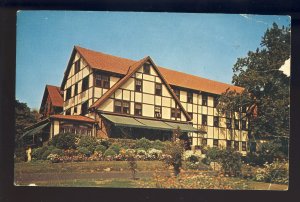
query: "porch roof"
34, 130
134, 122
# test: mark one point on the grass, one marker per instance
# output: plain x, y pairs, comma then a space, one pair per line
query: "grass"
92, 174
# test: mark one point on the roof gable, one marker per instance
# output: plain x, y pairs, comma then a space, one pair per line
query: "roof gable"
132, 69
55, 95
106, 62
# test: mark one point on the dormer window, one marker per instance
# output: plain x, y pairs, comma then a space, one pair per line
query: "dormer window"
146, 68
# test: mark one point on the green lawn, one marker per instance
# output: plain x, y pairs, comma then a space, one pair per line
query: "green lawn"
96, 174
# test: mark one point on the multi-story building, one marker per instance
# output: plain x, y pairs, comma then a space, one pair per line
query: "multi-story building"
111, 96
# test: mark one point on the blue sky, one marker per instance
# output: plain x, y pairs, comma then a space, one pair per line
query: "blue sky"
205, 45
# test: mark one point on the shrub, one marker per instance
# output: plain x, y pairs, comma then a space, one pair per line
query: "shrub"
57, 151
64, 141
212, 154
157, 144
38, 152
115, 147
105, 143
88, 142
85, 151
100, 149
270, 150
154, 154
143, 143
46, 154
109, 152
230, 161
276, 172
54, 158
141, 152
193, 156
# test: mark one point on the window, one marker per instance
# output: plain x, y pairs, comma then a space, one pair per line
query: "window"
236, 124
146, 68
228, 144
189, 97
118, 106
204, 120
244, 125
216, 143
228, 123
68, 93
102, 81
77, 66
216, 101
68, 112
138, 109
244, 147
177, 93
158, 87
126, 107
76, 89
175, 113
216, 121
157, 111
204, 141
85, 83
84, 108
138, 85
204, 100
122, 107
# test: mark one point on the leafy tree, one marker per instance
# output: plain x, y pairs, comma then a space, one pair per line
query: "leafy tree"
266, 88
24, 118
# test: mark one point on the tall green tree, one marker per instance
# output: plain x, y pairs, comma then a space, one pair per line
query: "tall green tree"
24, 118
267, 91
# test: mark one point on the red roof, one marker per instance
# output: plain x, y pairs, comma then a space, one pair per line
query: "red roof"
56, 95
73, 118
120, 65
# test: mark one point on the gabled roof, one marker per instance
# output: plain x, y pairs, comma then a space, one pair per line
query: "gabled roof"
132, 69
56, 96
117, 85
73, 118
106, 62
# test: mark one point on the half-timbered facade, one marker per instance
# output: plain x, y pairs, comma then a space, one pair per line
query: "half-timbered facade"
126, 98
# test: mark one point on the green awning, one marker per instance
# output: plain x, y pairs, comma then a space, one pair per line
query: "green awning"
151, 124
123, 121
34, 130
183, 127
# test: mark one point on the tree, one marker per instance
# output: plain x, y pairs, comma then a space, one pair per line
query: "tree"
266, 88
24, 118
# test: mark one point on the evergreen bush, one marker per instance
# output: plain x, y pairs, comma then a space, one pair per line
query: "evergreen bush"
100, 149
64, 141
109, 152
